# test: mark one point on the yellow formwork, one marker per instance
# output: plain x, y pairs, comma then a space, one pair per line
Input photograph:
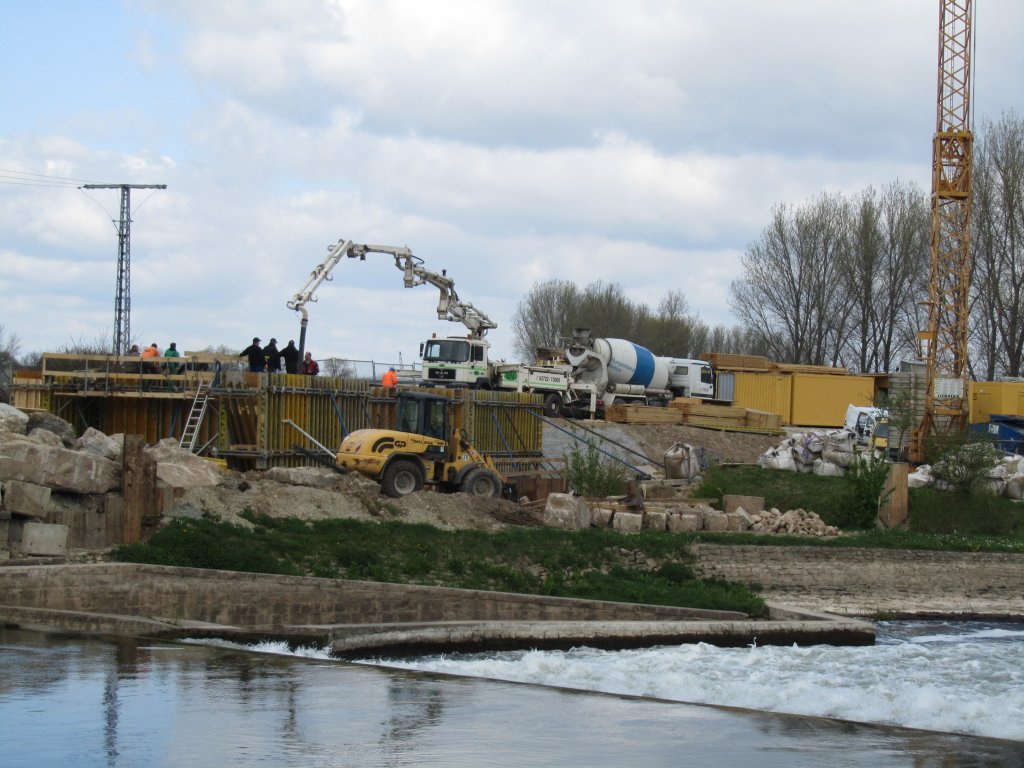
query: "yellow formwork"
250, 417
995, 398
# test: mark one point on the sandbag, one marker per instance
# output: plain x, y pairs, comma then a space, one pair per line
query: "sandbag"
1014, 488
828, 469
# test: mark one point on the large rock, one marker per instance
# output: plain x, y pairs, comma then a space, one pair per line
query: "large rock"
180, 468
54, 424
563, 510
13, 420
57, 468
628, 522
95, 442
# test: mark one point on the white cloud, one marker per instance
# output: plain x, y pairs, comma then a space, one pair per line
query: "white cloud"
508, 141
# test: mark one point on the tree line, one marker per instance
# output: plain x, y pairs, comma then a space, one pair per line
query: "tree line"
841, 280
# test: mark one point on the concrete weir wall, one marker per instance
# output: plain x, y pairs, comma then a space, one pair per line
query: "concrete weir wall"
870, 582
358, 617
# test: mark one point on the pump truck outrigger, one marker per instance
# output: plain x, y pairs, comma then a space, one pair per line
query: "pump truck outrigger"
427, 446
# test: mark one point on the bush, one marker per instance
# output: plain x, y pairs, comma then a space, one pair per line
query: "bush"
857, 503
591, 475
965, 467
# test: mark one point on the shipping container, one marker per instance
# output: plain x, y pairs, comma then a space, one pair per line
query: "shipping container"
995, 398
770, 392
822, 400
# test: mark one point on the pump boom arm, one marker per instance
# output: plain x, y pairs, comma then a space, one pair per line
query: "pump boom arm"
449, 305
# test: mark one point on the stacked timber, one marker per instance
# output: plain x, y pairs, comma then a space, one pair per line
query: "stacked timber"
695, 412
642, 414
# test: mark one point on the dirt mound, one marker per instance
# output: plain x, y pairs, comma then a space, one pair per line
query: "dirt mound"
357, 497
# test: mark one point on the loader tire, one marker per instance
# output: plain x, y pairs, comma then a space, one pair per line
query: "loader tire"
481, 482
401, 478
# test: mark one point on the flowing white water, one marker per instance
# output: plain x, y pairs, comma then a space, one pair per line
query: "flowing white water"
959, 677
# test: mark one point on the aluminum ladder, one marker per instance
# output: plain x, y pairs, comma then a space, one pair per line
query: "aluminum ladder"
190, 434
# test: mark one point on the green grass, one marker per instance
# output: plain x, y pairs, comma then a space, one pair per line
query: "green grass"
594, 564
938, 519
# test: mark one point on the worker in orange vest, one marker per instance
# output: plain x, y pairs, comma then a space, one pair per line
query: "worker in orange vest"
390, 379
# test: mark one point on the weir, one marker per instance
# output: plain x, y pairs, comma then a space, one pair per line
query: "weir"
358, 618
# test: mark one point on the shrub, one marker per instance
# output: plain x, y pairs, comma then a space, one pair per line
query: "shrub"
857, 502
965, 467
591, 475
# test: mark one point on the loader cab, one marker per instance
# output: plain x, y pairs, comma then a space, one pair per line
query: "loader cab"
422, 413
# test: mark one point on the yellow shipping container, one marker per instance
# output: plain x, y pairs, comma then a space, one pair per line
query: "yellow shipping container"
1001, 398
821, 400
770, 392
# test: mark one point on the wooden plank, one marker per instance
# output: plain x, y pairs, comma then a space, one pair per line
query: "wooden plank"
139, 487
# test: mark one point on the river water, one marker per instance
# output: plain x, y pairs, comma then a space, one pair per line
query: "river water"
122, 702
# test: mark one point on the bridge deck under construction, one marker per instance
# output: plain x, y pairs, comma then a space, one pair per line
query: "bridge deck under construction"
250, 419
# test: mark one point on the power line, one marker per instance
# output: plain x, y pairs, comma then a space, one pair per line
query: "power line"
123, 296
28, 178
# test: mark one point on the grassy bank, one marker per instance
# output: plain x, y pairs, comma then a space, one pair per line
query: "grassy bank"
648, 567
939, 520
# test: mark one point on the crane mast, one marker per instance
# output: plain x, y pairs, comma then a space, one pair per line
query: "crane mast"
944, 343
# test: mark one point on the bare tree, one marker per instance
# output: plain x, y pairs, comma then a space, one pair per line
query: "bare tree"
997, 239
544, 317
885, 271
791, 296
9, 345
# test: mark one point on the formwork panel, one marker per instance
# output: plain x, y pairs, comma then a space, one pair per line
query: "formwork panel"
820, 400
771, 392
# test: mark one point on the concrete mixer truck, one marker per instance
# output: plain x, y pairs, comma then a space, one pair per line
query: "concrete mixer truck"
606, 371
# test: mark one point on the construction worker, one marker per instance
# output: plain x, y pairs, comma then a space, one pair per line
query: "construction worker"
172, 351
257, 362
390, 379
150, 352
309, 366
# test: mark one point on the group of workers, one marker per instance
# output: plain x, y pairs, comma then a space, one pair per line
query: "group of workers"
153, 351
270, 358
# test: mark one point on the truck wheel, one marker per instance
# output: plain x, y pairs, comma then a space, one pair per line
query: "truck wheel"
401, 478
552, 405
481, 482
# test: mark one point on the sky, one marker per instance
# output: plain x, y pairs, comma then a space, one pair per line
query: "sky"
508, 142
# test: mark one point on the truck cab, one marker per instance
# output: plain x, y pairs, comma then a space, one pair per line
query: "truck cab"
455, 361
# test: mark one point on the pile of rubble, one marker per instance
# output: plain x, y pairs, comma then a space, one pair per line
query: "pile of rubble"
627, 516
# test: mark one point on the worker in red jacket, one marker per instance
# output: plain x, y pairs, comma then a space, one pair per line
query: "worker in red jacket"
390, 379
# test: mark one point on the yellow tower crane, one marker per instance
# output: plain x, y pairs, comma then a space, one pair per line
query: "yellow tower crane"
944, 344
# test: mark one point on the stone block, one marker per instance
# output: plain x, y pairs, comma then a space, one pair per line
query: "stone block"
27, 499
601, 517
57, 468
563, 510
732, 501
684, 522
655, 520
628, 522
736, 521
716, 521
44, 539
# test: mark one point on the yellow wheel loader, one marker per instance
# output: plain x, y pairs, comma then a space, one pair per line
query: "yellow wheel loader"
426, 447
